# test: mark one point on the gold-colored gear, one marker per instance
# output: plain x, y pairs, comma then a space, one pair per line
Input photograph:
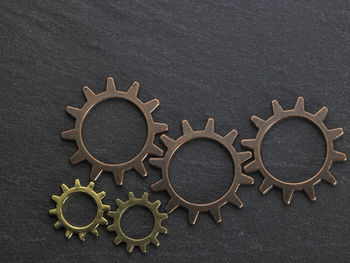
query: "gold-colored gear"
62, 222
117, 169
213, 207
257, 165
141, 242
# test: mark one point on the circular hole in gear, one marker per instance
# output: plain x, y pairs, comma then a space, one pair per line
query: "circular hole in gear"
137, 222
114, 131
79, 209
201, 171
293, 150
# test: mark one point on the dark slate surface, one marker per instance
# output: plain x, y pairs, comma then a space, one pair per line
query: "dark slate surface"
222, 59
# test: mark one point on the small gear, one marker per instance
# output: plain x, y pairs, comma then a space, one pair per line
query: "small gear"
141, 242
193, 208
62, 222
307, 186
117, 169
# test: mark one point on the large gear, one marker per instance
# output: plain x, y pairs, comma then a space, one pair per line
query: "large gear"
141, 242
62, 222
117, 169
193, 208
257, 165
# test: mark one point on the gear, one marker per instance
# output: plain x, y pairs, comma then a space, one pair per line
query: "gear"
117, 169
193, 208
142, 242
62, 222
329, 135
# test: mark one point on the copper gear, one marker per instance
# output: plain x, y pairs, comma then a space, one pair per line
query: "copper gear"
307, 186
193, 208
117, 169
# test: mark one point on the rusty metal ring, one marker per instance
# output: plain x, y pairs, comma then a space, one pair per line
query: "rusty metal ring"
193, 208
257, 165
117, 169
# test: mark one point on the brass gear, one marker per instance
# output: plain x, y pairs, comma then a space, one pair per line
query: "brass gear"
141, 242
193, 208
117, 169
68, 192
307, 186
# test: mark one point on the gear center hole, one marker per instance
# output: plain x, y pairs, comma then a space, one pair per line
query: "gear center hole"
114, 131
79, 209
294, 150
137, 222
201, 171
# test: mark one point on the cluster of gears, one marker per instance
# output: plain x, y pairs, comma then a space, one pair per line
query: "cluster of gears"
163, 162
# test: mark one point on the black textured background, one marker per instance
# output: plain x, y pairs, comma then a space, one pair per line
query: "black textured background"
222, 59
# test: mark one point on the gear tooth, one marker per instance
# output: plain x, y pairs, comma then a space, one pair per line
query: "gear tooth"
168, 142
155, 242
287, 195
134, 89
234, 199
55, 198
110, 86
231, 136
251, 167
151, 105
157, 162
140, 168
246, 180
258, 121
244, 156
106, 208
118, 240
103, 221
118, 177
53, 211
186, 127
64, 188
95, 173
111, 227
77, 183
216, 214
265, 186
210, 126
70, 135
88, 93
68, 234
158, 186
300, 105
77, 157
145, 196
74, 112
82, 236
57, 225
171, 206
101, 195
91, 185
310, 191
249, 143
192, 216
156, 204
163, 230
335, 133
162, 216
112, 214
328, 177
119, 202
131, 195
321, 114
339, 156
129, 247
155, 150
276, 107
160, 127
143, 248
95, 232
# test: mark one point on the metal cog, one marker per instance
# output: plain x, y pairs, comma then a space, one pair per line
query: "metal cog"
193, 208
141, 242
117, 169
307, 186
62, 222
